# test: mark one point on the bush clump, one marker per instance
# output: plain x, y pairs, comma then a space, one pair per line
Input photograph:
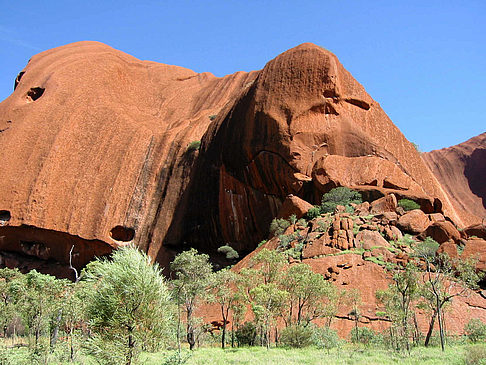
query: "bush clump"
278, 226
339, 196
193, 146
475, 330
408, 204
313, 212
475, 355
230, 252
297, 336
326, 338
246, 334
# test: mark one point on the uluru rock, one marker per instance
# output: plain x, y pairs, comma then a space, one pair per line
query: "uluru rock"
102, 149
461, 171
98, 153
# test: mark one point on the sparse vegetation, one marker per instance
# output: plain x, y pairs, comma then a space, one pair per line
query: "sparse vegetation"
408, 204
229, 252
339, 196
193, 146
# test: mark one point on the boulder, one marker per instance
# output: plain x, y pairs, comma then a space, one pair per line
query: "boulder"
476, 248
392, 233
442, 232
449, 248
414, 221
386, 204
367, 239
362, 209
293, 205
436, 217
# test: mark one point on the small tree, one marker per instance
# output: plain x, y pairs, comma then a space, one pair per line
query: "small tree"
193, 274
398, 300
307, 291
229, 252
226, 295
444, 279
129, 304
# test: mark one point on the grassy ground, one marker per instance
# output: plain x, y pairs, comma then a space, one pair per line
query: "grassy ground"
348, 354
345, 355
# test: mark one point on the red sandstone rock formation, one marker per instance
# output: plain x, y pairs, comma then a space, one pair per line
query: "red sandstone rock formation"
461, 171
95, 152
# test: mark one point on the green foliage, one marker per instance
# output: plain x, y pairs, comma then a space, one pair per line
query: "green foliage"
278, 226
193, 275
128, 307
408, 204
339, 196
475, 355
475, 330
193, 146
322, 225
262, 242
246, 334
297, 336
326, 338
302, 222
364, 335
427, 249
229, 252
313, 212
212, 117
416, 146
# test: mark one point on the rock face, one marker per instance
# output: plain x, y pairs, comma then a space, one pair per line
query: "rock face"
304, 126
97, 152
461, 171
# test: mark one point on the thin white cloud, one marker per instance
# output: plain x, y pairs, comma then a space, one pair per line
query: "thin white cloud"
6, 35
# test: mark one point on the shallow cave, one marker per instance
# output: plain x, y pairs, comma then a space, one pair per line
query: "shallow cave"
35, 93
5, 216
123, 234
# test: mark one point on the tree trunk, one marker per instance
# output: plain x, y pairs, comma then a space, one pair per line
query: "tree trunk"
131, 346
190, 330
55, 331
441, 327
431, 329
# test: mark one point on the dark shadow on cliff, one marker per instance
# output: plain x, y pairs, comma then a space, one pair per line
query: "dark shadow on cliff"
475, 172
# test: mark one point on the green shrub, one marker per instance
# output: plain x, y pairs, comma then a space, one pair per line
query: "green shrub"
230, 252
365, 336
193, 146
326, 338
212, 117
262, 242
408, 204
339, 196
313, 212
246, 334
278, 226
297, 336
475, 355
475, 330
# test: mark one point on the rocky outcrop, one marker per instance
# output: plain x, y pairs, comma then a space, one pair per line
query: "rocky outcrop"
461, 171
303, 127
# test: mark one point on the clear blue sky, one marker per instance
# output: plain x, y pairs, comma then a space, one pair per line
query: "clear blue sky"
423, 61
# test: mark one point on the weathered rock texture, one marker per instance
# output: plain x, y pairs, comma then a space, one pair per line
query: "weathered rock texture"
94, 149
95, 152
461, 171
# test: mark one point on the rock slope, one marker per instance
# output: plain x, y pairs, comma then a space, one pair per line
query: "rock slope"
461, 171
